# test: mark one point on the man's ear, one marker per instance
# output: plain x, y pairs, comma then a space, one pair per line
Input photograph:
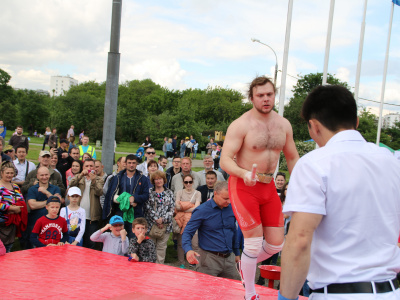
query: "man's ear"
313, 126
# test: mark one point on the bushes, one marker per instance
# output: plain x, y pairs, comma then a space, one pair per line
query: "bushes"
302, 147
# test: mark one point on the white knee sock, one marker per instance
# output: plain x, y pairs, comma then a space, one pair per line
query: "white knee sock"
268, 250
252, 247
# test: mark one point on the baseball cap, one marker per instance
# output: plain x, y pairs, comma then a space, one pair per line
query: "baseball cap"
53, 199
116, 220
44, 152
74, 191
186, 138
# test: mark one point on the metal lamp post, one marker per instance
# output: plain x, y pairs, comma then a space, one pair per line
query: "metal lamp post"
276, 58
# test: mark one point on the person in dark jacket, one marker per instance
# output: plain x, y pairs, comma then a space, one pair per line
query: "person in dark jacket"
130, 181
175, 169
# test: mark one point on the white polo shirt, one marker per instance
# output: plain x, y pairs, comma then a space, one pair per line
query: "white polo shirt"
355, 185
21, 167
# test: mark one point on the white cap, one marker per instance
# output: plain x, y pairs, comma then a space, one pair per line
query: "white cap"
74, 191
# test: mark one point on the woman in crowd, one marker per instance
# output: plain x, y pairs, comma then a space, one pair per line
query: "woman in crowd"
280, 180
76, 169
53, 162
147, 143
152, 166
85, 156
71, 143
46, 137
13, 213
159, 211
186, 201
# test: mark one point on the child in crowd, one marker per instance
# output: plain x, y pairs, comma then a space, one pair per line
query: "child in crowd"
75, 217
115, 241
141, 247
49, 228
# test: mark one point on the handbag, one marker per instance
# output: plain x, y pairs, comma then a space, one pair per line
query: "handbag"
175, 227
155, 231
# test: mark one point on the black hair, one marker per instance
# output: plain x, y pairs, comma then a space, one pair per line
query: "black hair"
132, 157
333, 106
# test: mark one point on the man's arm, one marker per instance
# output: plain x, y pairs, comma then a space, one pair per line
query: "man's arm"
233, 142
289, 150
296, 253
142, 195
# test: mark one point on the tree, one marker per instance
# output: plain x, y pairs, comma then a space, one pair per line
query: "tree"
33, 108
7, 101
300, 91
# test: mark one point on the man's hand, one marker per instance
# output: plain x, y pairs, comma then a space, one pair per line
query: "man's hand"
14, 209
43, 190
123, 234
140, 238
60, 244
64, 155
135, 257
74, 243
191, 257
248, 180
237, 259
92, 175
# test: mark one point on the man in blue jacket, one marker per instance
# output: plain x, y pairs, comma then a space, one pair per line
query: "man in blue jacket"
133, 182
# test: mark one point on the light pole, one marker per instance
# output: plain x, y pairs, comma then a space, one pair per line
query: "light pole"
276, 58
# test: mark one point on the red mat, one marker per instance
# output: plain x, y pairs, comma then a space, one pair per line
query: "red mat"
71, 272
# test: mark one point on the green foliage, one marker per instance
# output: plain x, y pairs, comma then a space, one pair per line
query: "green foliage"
300, 91
33, 108
302, 147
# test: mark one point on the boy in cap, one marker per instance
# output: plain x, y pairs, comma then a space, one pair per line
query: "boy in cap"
115, 241
75, 216
49, 228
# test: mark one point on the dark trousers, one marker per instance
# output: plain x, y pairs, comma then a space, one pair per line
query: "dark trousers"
91, 227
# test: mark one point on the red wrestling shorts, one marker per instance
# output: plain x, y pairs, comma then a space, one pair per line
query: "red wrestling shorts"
255, 205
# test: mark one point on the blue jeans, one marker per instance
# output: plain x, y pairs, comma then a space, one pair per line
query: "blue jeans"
72, 239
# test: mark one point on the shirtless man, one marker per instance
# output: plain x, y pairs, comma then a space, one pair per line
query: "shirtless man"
257, 137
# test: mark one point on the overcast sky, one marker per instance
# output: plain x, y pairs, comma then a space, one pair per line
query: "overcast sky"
198, 43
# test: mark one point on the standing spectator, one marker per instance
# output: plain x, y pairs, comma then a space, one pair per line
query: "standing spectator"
81, 135
150, 154
71, 143
152, 166
11, 204
195, 148
22, 165
134, 183
100, 172
172, 171
91, 187
121, 165
53, 162
208, 163
189, 147
159, 211
46, 137
186, 201
85, 148
9, 151
53, 138
35, 133
182, 148
162, 162
280, 181
170, 149
65, 159
147, 143
209, 146
19, 139
70, 132
4, 157
164, 147
76, 168
177, 180
207, 190
3, 130
174, 145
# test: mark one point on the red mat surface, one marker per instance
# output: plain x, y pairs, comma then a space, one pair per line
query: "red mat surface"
71, 272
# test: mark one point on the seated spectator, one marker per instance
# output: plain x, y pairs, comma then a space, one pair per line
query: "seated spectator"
208, 164
9, 150
23, 166
141, 247
75, 217
49, 228
159, 211
207, 190
13, 212
114, 242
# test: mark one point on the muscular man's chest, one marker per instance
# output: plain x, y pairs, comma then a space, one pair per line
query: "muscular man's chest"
261, 138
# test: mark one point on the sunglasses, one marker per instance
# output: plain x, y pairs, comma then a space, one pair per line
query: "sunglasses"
150, 152
188, 182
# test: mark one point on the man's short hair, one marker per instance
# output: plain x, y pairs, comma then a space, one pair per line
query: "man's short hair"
261, 80
187, 158
333, 106
70, 150
220, 186
20, 126
158, 174
21, 146
161, 157
176, 156
132, 157
208, 156
150, 148
139, 221
211, 173
88, 159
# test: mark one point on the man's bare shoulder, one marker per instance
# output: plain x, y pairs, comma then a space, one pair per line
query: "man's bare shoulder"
241, 122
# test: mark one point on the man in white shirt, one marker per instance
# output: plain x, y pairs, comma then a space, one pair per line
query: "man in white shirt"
344, 199
150, 154
22, 165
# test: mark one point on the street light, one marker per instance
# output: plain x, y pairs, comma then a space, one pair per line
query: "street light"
276, 58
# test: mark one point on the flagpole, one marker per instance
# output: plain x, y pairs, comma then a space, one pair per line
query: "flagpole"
284, 67
360, 51
378, 136
328, 42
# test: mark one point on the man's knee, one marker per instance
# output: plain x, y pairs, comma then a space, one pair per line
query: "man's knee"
252, 246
